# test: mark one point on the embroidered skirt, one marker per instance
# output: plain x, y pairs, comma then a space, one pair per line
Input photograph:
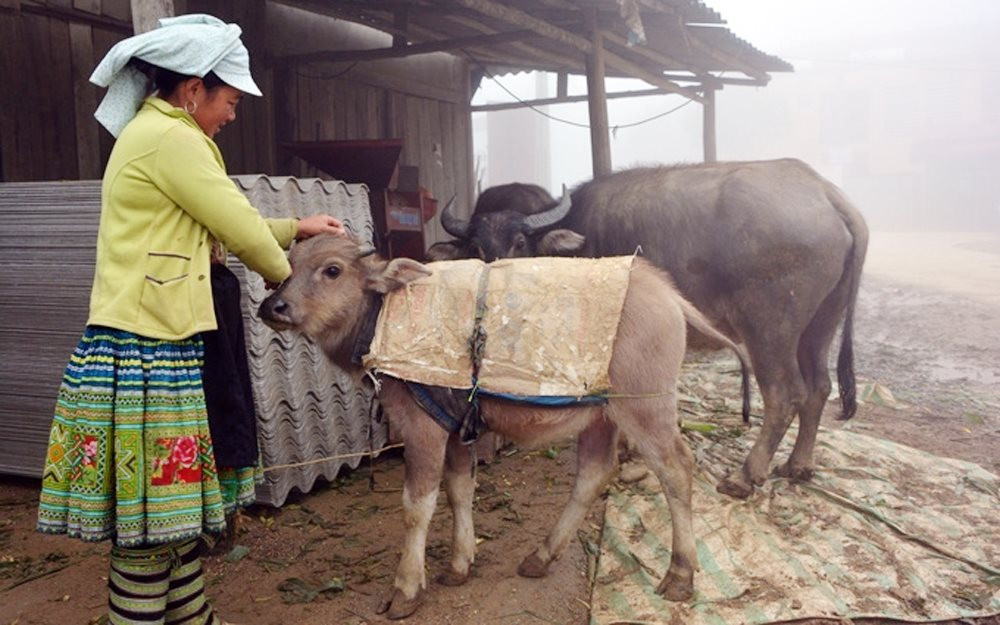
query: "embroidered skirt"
130, 453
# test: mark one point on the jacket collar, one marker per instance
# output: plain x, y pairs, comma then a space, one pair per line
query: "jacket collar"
170, 110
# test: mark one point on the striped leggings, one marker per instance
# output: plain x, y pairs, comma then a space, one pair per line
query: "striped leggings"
160, 585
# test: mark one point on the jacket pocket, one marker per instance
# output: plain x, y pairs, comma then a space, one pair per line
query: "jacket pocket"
166, 267
165, 302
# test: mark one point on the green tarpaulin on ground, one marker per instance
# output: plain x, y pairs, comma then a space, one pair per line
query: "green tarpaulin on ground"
883, 530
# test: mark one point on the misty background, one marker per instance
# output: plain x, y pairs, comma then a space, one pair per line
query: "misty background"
895, 101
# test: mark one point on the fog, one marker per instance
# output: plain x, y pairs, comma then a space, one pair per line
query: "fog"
896, 101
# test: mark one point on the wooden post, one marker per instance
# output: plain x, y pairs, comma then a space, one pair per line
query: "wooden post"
401, 21
597, 104
146, 12
708, 125
562, 87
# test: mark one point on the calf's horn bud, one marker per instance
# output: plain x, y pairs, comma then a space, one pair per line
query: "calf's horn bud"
367, 250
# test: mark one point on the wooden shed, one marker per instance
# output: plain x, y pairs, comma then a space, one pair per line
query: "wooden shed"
337, 74
363, 70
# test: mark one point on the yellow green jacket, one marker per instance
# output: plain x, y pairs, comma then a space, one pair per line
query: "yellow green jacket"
164, 198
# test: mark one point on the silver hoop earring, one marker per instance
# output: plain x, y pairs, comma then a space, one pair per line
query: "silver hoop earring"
191, 106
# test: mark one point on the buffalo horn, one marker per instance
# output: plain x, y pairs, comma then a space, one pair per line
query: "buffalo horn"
552, 216
453, 225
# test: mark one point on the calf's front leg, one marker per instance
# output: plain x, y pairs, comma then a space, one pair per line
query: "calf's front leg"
460, 486
423, 456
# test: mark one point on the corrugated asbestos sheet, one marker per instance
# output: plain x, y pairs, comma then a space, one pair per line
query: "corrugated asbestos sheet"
307, 409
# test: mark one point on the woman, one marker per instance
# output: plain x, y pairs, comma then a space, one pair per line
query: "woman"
130, 453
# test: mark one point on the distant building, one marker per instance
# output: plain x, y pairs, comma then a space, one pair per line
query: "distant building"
517, 146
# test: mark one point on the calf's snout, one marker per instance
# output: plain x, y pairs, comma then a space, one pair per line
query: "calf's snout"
274, 311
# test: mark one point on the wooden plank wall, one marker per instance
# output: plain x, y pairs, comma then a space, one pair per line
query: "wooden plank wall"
422, 100
435, 132
47, 130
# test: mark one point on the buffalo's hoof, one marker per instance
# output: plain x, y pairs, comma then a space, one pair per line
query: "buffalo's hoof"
676, 587
533, 566
735, 488
398, 606
799, 474
452, 578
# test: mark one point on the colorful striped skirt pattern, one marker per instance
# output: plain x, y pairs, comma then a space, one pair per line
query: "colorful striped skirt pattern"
130, 453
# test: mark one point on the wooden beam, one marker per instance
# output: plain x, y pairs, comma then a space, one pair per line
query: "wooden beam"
358, 16
505, 106
649, 53
401, 20
372, 54
520, 18
79, 17
708, 126
597, 102
527, 53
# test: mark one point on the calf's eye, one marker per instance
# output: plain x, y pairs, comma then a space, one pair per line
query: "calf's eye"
332, 271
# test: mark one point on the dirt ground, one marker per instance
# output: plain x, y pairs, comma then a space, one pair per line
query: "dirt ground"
927, 346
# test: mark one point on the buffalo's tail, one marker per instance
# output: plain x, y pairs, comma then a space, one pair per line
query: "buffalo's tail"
853, 265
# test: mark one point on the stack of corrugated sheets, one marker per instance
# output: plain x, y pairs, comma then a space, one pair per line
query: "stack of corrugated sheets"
307, 409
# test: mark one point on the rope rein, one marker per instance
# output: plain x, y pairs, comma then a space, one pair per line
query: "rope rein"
360, 454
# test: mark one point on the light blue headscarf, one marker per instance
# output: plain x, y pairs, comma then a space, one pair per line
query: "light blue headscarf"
192, 45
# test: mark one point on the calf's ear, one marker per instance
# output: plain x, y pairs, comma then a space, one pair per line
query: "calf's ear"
560, 242
394, 274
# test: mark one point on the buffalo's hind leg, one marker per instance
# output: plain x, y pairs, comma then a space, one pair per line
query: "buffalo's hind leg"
653, 427
596, 460
784, 391
460, 485
814, 349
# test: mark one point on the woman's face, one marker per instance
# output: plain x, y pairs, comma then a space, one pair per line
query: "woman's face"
216, 108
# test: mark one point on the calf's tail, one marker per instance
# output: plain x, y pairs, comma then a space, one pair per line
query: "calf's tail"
698, 321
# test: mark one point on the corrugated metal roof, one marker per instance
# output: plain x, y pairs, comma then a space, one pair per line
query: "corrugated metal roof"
642, 38
307, 408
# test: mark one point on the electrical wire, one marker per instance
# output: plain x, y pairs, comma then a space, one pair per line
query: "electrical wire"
614, 129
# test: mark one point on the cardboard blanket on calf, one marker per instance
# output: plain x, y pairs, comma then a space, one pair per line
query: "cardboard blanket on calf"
549, 323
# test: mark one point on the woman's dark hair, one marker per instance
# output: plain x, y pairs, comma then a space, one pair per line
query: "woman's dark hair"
164, 81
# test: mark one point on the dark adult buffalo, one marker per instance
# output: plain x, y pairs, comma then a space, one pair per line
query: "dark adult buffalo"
770, 251
504, 218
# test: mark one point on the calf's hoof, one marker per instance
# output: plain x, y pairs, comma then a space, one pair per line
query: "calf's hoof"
533, 566
452, 578
398, 606
735, 487
676, 587
800, 474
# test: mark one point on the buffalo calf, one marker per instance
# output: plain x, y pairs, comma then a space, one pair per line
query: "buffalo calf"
329, 294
